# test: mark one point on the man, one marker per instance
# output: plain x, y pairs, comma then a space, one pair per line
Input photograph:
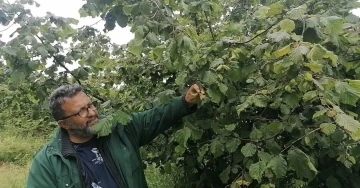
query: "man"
77, 158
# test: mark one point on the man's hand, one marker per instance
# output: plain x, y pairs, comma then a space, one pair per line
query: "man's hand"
194, 95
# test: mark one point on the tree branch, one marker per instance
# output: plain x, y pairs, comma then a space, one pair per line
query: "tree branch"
300, 139
209, 25
7, 27
265, 31
61, 64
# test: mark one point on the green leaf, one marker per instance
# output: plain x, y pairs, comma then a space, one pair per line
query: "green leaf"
104, 127
209, 77
260, 101
248, 150
233, 144
145, 8
317, 52
287, 25
266, 157
42, 51
309, 95
224, 175
242, 107
230, 127
17, 77
283, 51
122, 19
255, 135
328, 128
314, 67
297, 13
153, 39
214, 94
279, 166
122, 117
297, 55
349, 124
127, 9
217, 62
202, 151
182, 136
348, 95
188, 43
136, 50
275, 9
319, 113
180, 78
257, 170
223, 88
279, 36
332, 182
301, 163
217, 148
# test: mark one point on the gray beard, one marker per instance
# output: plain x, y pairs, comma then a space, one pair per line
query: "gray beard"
83, 133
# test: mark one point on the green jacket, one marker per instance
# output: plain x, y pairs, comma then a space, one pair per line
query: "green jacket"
57, 164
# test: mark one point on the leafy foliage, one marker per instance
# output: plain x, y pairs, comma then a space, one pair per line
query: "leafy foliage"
282, 80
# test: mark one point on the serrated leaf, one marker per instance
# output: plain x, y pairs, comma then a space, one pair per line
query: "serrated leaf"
182, 136
122, 117
42, 51
315, 67
257, 170
216, 62
224, 175
260, 101
217, 148
287, 25
104, 127
230, 127
248, 150
279, 166
180, 78
153, 40
17, 77
215, 95
328, 128
127, 9
309, 95
242, 107
301, 163
283, 51
297, 13
298, 53
209, 77
317, 52
349, 124
136, 50
319, 113
202, 151
266, 157
279, 36
188, 43
348, 95
275, 9
334, 58
285, 109
223, 88
233, 144
255, 135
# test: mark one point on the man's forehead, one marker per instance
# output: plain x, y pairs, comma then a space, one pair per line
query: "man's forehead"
77, 101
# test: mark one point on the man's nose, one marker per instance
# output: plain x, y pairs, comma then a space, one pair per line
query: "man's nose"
91, 112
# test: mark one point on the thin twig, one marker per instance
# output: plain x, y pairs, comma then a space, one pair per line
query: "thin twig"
7, 27
91, 24
209, 25
61, 64
300, 139
265, 31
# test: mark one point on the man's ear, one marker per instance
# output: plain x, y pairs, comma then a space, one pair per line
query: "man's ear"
63, 124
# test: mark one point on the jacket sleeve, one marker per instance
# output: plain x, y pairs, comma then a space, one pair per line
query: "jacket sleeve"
40, 174
149, 124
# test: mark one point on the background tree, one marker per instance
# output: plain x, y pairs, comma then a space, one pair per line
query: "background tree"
282, 79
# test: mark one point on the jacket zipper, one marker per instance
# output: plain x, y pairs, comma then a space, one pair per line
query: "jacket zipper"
118, 176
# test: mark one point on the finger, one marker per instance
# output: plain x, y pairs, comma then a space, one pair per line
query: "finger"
202, 91
196, 88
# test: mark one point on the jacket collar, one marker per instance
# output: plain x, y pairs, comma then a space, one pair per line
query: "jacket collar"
66, 147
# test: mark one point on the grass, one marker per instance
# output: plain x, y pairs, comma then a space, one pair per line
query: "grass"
13, 176
16, 154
